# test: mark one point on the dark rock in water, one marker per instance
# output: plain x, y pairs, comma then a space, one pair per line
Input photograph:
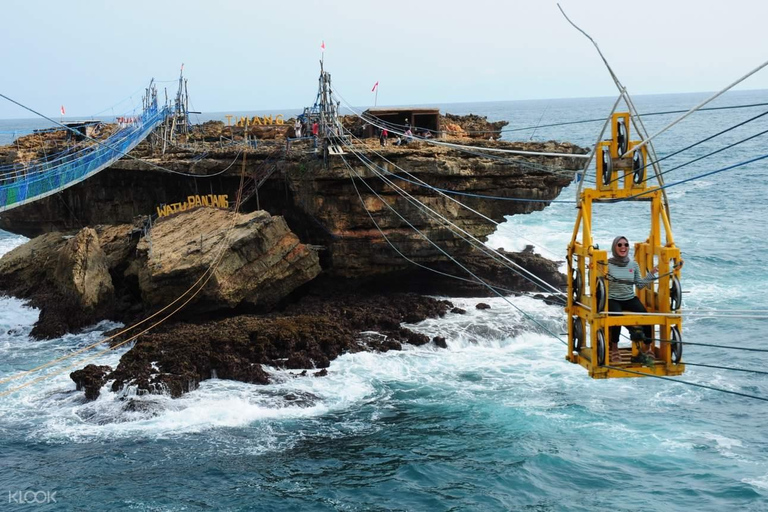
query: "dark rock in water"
302, 399
307, 335
482, 305
390, 344
414, 338
321, 373
298, 361
90, 379
178, 357
552, 300
141, 406
440, 342
459, 311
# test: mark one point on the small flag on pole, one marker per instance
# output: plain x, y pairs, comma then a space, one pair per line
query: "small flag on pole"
322, 47
62, 110
375, 86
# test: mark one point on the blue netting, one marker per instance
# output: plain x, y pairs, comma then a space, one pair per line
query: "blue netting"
45, 178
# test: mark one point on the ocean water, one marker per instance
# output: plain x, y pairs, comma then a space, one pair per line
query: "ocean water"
497, 421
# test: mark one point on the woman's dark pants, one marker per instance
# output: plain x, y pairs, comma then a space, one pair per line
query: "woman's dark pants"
635, 306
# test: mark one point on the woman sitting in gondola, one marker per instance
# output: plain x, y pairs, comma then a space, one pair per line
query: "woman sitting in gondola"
623, 275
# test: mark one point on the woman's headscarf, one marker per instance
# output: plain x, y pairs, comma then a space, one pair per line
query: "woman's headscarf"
616, 259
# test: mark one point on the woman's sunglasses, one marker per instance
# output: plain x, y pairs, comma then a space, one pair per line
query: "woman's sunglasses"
622, 245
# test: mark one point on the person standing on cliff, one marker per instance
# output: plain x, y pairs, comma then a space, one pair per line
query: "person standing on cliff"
315, 131
383, 137
297, 128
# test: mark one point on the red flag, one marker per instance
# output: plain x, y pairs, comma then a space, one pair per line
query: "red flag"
62, 110
375, 86
322, 47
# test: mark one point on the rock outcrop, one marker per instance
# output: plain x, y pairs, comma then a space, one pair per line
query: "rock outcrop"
308, 335
81, 271
472, 126
354, 213
65, 276
91, 379
81, 279
257, 259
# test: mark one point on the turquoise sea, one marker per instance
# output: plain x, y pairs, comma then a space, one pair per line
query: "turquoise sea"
497, 421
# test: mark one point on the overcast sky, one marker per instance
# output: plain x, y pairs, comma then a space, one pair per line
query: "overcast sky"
261, 55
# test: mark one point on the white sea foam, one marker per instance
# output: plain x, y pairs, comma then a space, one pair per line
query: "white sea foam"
725, 446
8, 242
760, 483
493, 356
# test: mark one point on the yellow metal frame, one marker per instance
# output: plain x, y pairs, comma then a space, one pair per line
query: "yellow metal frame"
592, 264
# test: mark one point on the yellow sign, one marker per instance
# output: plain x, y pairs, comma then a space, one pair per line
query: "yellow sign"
220, 201
256, 120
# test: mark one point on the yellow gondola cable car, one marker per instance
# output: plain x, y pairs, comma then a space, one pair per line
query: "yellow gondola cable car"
589, 282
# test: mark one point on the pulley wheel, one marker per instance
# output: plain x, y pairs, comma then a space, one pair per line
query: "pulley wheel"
638, 167
578, 333
600, 348
675, 294
600, 294
607, 167
677, 345
621, 137
577, 285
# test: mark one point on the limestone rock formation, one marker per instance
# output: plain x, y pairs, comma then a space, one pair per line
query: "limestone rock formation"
472, 126
81, 271
256, 257
64, 276
24, 270
118, 242
351, 213
81, 279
